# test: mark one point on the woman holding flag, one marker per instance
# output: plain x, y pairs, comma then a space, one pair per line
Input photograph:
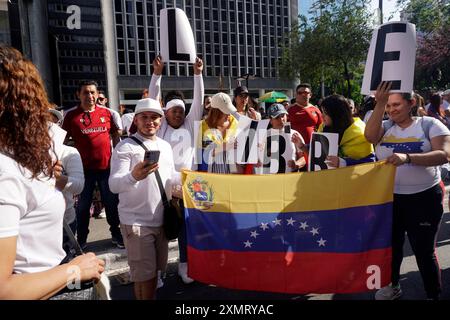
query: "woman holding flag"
416, 146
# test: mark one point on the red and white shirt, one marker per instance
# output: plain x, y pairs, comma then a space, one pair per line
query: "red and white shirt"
305, 120
90, 130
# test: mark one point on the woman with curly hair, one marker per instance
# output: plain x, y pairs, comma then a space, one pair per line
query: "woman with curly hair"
31, 207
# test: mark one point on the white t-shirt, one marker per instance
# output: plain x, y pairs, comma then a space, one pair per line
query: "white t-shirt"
33, 211
411, 178
73, 169
182, 138
127, 120
140, 201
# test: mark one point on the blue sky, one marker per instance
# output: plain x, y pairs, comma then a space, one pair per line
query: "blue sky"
388, 7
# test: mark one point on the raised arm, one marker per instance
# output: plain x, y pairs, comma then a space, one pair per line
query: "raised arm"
196, 111
374, 129
154, 90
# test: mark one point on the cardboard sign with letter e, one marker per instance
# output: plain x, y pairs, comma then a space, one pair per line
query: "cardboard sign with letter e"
391, 57
323, 144
177, 39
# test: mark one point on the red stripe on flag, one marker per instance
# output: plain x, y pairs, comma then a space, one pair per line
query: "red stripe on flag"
290, 272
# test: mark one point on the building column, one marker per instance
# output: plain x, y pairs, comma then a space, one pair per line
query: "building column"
109, 49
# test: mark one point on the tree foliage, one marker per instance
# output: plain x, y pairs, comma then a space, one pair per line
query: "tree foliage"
432, 20
332, 44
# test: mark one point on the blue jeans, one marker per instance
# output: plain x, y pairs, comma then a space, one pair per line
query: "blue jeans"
109, 200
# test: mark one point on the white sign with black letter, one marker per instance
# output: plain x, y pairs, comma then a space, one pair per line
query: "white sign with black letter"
323, 144
391, 57
250, 134
176, 37
276, 152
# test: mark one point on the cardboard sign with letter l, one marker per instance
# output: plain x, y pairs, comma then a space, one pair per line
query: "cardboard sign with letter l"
177, 39
391, 57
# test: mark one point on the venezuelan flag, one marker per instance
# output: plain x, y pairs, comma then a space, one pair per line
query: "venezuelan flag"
312, 232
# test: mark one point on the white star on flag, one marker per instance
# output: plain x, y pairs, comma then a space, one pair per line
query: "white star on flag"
315, 231
248, 244
254, 234
290, 221
277, 222
264, 226
303, 225
322, 242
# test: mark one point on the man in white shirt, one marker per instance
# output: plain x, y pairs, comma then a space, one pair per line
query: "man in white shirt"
178, 130
140, 205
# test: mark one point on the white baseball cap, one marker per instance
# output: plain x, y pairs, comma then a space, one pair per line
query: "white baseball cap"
222, 101
446, 92
175, 103
56, 113
150, 105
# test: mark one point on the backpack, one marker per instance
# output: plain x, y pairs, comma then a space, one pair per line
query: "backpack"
427, 123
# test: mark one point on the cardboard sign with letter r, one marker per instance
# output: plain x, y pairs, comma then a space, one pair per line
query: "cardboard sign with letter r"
177, 39
391, 57
323, 144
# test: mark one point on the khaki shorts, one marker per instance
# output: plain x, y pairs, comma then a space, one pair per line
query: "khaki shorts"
147, 250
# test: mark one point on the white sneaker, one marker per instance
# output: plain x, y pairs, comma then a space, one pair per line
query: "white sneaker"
182, 272
160, 281
389, 293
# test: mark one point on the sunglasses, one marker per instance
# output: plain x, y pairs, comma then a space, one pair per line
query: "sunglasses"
303, 92
100, 98
243, 95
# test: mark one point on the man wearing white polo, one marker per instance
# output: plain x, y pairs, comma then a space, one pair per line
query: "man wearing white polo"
140, 205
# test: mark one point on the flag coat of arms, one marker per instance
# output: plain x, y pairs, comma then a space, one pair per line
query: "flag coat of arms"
313, 232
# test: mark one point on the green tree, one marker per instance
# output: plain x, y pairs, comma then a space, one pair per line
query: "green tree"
432, 20
332, 44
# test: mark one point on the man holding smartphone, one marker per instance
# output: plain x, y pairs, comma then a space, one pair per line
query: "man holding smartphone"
140, 207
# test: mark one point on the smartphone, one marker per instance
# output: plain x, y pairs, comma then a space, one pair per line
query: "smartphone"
287, 128
151, 157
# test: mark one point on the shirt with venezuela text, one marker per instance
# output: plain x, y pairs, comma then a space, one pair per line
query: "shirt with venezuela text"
90, 130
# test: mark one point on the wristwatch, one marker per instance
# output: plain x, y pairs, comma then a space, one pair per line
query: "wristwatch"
408, 158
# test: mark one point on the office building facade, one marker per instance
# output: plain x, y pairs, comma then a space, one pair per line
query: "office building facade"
237, 39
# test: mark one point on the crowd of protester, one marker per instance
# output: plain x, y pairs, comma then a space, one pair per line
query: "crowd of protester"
108, 156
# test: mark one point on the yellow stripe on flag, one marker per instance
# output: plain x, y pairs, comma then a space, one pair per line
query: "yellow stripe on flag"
362, 185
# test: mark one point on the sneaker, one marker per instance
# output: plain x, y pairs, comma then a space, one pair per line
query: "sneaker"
182, 272
389, 293
118, 243
160, 281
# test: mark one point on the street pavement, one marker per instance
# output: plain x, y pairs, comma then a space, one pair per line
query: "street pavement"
174, 289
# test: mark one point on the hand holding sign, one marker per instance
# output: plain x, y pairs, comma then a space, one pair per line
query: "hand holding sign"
382, 93
158, 65
198, 66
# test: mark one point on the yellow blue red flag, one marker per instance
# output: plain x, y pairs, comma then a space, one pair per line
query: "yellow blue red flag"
312, 232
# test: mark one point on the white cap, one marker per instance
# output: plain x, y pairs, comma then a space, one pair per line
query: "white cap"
222, 101
446, 92
56, 113
175, 103
150, 105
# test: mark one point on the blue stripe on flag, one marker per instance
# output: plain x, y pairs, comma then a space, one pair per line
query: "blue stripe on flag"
348, 230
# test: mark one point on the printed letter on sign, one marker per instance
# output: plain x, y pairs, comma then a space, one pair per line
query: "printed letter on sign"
177, 39
391, 58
